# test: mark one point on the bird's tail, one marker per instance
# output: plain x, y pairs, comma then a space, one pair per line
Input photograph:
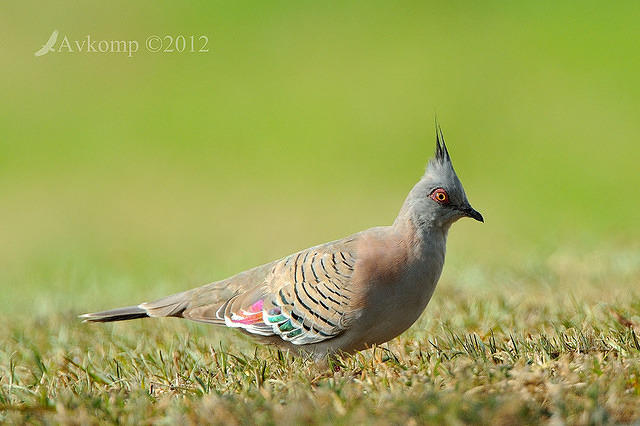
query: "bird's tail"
170, 306
120, 314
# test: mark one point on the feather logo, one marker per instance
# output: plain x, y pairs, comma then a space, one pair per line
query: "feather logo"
48, 46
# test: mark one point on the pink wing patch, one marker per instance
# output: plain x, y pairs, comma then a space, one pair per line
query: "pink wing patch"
250, 319
253, 315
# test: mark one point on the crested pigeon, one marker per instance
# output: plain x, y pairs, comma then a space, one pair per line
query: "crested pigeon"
342, 296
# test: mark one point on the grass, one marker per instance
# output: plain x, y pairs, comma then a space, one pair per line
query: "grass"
513, 347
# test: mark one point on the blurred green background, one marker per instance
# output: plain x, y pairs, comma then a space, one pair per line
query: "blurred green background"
122, 179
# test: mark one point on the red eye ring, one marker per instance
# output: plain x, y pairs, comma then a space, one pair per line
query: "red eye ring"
439, 195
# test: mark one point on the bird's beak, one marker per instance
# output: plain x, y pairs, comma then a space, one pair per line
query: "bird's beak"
472, 213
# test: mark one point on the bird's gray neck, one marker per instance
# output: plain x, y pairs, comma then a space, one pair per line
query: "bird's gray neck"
426, 251
420, 226
426, 237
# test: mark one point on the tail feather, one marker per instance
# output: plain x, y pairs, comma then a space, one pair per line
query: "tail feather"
170, 306
120, 314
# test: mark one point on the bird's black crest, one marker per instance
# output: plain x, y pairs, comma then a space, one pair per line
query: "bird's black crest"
442, 155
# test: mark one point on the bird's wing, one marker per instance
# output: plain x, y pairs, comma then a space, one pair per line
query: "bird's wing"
304, 298
312, 297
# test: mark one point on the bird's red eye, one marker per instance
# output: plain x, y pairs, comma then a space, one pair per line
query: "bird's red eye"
440, 196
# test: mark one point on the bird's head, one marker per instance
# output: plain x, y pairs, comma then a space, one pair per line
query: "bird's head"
438, 199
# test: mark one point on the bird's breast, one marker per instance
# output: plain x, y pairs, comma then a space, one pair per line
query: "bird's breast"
395, 301
395, 277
